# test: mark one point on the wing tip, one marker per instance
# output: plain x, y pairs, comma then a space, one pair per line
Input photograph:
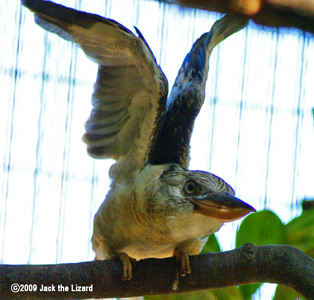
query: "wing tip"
98, 148
29, 3
61, 15
227, 26
97, 152
38, 5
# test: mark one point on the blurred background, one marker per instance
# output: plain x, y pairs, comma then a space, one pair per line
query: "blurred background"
255, 129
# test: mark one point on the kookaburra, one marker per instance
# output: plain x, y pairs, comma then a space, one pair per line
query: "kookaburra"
156, 207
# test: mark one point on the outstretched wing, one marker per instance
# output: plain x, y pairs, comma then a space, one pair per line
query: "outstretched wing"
130, 92
171, 141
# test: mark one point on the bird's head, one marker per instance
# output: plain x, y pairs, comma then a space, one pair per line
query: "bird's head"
179, 191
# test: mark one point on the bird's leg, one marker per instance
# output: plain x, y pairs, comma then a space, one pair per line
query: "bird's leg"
127, 262
182, 262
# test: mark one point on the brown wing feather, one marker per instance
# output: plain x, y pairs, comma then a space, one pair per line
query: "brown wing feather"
130, 91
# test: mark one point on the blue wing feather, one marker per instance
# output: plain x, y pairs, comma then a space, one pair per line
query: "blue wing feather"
171, 142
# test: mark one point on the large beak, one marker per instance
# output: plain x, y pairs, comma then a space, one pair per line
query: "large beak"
222, 206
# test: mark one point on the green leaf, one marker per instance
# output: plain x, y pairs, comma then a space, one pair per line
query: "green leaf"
184, 296
300, 232
286, 293
261, 228
231, 293
211, 245
247, 290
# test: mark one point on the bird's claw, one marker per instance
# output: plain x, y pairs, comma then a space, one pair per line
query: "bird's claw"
182, 262
127, 263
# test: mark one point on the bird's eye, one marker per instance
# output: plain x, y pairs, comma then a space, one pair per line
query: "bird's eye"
190, 187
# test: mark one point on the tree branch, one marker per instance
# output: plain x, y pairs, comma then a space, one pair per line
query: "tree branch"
248, 264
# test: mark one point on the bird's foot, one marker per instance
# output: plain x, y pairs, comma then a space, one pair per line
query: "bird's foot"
182, 266
127, 263
182, 262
